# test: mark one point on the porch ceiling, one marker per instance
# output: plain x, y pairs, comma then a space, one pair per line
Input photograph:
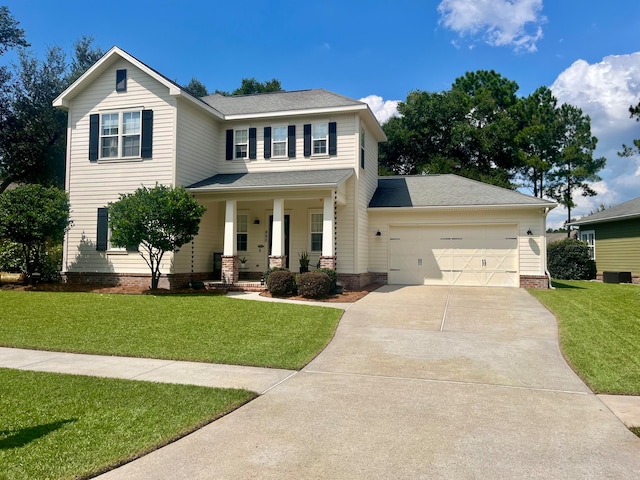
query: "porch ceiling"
264, 181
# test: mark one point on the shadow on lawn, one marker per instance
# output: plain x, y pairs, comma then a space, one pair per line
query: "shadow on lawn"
557, 284
23, 436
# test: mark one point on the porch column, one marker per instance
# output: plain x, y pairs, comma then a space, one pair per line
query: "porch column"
328, 258
229, 258
277, 258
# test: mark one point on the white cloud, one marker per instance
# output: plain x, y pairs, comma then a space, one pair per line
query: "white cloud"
382, 109
604, 91
515, 23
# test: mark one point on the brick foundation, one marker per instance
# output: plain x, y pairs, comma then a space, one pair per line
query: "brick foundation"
230, 269
328, 262
278, 262
534, 281
142, 280
355, 281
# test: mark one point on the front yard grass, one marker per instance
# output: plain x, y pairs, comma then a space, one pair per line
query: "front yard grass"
599, 329
59, 426
202, 328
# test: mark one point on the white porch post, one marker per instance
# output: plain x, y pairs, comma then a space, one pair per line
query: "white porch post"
327, 227
277, 258
328, 257
229, 258
230, 229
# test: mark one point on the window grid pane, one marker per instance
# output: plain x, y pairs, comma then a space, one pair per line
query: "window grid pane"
131, 123
109, 147
316, 232
131, 146
242, 144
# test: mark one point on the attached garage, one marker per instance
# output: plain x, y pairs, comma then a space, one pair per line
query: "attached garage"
449, 230
469, 255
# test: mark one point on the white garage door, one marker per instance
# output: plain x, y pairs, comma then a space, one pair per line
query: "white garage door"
454, 255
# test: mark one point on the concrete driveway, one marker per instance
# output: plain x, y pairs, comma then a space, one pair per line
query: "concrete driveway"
418, 383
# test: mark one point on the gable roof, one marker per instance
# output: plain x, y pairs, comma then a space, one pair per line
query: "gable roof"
626, 210
108, 59
272, 180
447, 191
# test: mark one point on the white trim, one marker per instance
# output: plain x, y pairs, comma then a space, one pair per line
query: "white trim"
592, 246
285, 156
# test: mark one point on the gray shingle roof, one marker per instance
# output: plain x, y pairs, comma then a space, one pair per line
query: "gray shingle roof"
278, 102
272, 180
628, 209
444, 191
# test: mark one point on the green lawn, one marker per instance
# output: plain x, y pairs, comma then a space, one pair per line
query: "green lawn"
599, 327
58, 426
204, 328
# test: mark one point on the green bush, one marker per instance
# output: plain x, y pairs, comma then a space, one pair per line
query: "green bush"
568, 259
11, 257
314, 284
333, 276
281, 282
269, 271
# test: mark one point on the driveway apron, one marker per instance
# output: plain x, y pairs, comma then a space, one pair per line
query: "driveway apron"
418, 383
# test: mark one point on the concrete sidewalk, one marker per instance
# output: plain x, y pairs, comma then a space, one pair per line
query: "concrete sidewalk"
255, 379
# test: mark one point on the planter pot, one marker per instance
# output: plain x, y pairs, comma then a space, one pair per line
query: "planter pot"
304, 269
339, 289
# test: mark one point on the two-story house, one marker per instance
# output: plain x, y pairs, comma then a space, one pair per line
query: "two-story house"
280, 174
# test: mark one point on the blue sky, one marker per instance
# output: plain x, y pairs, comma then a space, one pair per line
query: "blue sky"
587, 51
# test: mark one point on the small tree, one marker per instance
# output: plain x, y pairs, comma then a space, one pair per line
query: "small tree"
157, 220
568, 259
33, 215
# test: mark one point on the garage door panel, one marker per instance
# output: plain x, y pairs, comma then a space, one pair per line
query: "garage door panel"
454, 255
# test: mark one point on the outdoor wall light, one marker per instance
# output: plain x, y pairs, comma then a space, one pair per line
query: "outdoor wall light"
378, 233
256, 221
529, 232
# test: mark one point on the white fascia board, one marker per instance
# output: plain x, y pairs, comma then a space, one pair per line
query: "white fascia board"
262, 188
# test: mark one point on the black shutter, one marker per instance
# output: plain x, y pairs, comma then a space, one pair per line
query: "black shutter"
333, 147
267, 142
147, 134
229, 144
103, 229
307, 140
94, 136
291, 133
121, 80
252, 144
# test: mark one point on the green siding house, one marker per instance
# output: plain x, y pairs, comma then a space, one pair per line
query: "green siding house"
613, 236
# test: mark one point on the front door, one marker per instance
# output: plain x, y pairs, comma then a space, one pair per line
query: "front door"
286, 237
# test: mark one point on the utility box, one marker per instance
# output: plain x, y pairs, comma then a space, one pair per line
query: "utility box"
616, 277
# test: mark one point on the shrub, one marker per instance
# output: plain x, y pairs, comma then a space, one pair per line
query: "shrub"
281, 282
333, 276
269, 271
314, 285
11, 257
568, 259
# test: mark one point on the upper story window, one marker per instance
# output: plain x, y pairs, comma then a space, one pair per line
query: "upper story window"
279, 141
319, 138
241, 143
117, 135
121, 80
120, 134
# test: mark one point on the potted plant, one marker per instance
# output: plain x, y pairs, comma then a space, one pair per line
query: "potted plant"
243, 262
304, 262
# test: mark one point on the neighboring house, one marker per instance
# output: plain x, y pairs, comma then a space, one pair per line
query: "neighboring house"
613, 236
280, 174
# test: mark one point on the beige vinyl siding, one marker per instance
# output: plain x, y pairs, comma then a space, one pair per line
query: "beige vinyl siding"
531, 249
617, 245
208, 241
198, 135
367, 184
95, 184
346, 142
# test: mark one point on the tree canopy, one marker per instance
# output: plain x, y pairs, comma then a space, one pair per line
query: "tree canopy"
157, 220
32, 216
196, 88
480, 129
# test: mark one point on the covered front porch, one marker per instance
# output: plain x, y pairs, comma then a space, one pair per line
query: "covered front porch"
256, 221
